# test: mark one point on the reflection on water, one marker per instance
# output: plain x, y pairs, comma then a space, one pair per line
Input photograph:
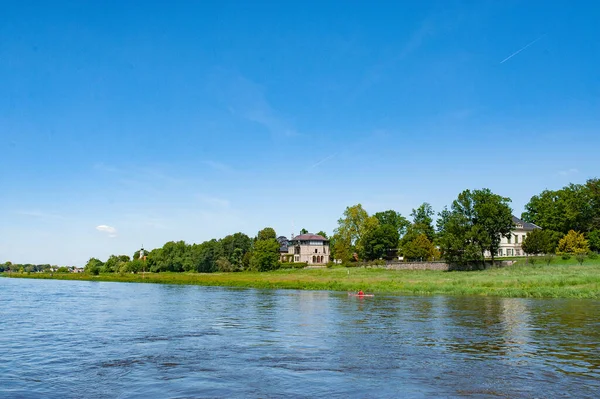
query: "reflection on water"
68, 339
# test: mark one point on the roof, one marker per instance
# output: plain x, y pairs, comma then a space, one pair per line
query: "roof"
309, 237
526, 225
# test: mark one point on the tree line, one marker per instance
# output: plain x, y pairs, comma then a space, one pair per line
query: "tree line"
462, 233
472, 226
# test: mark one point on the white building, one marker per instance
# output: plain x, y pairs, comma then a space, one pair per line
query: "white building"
310, 248
511, 246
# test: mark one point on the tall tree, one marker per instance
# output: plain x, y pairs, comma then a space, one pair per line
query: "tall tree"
423, 220
493, 216
265, 256
351, 228
378, 241
393, 218
303, 231
569, 208
541, 242
593, 193
476, 222
266, 234
593, 238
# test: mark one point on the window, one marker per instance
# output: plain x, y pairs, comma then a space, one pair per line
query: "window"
516, 239
518, 252
296, 258
508, 239
500, 252
315, 250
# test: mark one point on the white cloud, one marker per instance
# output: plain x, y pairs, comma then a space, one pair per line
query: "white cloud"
568, 172
111, 231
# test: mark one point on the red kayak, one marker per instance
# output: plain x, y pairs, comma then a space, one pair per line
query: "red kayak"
359, 295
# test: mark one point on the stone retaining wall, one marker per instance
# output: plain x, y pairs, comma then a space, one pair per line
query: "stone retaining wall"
439, 266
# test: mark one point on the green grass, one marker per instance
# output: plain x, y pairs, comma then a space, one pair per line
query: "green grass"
562, 279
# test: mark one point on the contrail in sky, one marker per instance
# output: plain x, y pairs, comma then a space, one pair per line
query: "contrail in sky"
523, 48
323, 160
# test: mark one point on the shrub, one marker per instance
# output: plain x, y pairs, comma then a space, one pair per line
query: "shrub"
531, 260
580, 257
294, 265
593, 255
566, 256
548, 258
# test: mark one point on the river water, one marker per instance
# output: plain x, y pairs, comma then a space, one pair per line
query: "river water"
73, 339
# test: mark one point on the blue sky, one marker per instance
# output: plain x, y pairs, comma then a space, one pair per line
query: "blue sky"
145, 122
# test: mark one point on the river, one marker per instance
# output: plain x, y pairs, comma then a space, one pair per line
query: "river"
73, 339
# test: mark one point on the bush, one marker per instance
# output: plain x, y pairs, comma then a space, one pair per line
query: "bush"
548, 258
593, 255
531, 260
566, 256
580, 257
293, 265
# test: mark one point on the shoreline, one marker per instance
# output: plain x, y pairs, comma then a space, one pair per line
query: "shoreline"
553, 281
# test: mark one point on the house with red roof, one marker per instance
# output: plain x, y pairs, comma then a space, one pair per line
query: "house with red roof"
312, 249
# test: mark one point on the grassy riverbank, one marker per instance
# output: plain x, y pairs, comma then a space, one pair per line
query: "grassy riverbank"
540, 281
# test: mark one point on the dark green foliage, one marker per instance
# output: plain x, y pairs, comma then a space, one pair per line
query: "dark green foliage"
265, 256
322, 234
541, 242
474, 224
266, 234
377, 242
566, 256
394, 219
593, 238
419, 249
303, 231
593, 255
580, 257
574, 207
93, 266
423, 221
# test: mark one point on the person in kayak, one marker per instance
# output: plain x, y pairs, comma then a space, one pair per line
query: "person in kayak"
361, 293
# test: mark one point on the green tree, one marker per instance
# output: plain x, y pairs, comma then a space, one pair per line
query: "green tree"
423, 220
351, 228
569, 208
224, 265
593, 193
322, 234
593, 238
377, 241
93, 266
341, 248
393, 218
420, 249
232, 243
541, 242
303, 231
493, 218
476, 222
265, 256
266, 234
573, 243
